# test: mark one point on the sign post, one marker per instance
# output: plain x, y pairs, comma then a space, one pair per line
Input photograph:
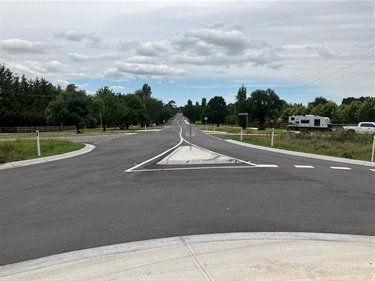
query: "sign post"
373, 149
247, 117
190, 132
38, 143
205, 119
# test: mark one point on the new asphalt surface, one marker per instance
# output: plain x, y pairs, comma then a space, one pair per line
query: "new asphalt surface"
109, 197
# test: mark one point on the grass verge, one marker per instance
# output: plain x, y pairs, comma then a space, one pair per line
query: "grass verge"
338, 144
26, 149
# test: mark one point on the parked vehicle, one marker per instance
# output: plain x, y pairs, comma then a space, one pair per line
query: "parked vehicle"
361, 128
309, 123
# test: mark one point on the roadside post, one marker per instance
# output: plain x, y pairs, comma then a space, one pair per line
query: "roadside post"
247, 119
205, 119
214, 127
145, 127
272, 135
241, 133
190, 132
373, 150
38, 142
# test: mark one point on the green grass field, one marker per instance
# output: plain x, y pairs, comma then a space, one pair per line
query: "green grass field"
23, 149
338, 144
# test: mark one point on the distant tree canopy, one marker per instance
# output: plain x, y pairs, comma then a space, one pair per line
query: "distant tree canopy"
26, 102
32, 102
70, 107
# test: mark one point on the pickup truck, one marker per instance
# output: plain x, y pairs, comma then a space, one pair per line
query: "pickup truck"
361, 128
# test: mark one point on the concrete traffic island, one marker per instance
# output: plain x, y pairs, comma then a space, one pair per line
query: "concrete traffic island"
232, 256
186, 155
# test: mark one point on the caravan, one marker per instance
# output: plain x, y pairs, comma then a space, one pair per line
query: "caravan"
309, 123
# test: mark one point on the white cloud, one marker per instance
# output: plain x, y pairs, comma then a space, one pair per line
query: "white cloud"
149, 69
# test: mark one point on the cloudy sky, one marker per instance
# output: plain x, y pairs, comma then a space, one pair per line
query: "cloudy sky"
195, 49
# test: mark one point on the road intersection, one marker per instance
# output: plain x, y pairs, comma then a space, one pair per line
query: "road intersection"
108, 197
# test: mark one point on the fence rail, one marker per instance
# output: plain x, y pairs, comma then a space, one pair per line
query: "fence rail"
21, 129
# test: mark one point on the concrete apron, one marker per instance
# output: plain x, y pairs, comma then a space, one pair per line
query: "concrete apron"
232, 256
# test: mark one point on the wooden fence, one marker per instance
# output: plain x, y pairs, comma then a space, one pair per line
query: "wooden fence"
21, 129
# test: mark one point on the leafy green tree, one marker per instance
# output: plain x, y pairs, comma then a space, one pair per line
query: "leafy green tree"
144, 93
318, 100
154, 109
366, 111
216, 110
136, 113
71, 107
192, 112
231, 120
241, 105
264, 104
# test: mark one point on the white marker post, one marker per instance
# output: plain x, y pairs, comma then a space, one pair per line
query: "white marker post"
205, 119
373, 150
241, 133
190, 132
272, 135
214, 127
38, 143
145, 127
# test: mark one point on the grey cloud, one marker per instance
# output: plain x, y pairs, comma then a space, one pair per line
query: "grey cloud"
18, 46
77, 36
223, 48
78, 57
149, 49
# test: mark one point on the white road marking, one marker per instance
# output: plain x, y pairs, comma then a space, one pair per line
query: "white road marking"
304, 167
372, 170
157, 156
266, 166
340, 168
192, 168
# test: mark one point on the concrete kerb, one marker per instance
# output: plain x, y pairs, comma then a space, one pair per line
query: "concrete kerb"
161, 244
86, 149
308, 155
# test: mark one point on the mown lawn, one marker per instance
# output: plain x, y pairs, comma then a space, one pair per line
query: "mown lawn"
23, 149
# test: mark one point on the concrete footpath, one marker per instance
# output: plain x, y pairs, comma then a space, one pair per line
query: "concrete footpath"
233, 256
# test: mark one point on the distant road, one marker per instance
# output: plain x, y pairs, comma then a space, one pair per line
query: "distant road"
89, 200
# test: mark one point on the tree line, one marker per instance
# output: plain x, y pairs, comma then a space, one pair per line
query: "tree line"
265, 106
31, 102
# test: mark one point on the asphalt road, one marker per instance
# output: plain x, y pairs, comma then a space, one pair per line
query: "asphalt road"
89, 200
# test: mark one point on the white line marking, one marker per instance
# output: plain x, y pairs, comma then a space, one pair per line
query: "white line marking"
193, 168
161, 154
340, 168
304, 167
372, 170
183, 140
266, 166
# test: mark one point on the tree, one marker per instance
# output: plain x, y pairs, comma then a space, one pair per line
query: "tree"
192, 112
366, 111
136, 112
319, 100
241, 105
216, 110
264, 104
71, 107
144, 93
